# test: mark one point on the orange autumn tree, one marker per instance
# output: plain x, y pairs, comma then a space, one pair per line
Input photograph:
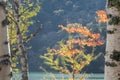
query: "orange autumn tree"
102, 16
71, 56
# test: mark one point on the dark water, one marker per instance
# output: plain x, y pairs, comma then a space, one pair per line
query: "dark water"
56, 76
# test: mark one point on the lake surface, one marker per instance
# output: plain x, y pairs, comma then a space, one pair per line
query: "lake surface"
45, 76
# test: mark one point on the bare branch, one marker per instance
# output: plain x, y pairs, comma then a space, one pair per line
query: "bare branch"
34, 34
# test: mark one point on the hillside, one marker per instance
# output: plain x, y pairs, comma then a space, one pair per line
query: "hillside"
56, 12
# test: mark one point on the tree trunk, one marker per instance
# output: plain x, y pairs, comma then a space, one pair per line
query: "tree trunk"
5, 69
21, 47
112, 57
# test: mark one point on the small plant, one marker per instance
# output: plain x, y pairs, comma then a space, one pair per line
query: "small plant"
71, 56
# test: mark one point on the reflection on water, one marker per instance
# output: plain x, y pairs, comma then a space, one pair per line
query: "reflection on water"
44, 76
